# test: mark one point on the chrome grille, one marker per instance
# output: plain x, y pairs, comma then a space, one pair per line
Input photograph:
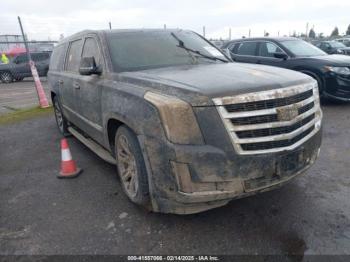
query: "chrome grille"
271, 121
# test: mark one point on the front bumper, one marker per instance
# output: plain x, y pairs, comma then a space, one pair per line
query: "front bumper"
337, 87
190, 179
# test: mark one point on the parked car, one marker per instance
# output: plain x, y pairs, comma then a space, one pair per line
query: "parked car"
333, 47
345, 41
187, 129
18, 68
332, 72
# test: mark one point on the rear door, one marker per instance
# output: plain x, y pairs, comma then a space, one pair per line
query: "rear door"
244, 52
89, 91
67, 81
266, 51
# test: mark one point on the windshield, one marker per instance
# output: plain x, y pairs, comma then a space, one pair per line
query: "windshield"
302, 48
336, 44
133, 51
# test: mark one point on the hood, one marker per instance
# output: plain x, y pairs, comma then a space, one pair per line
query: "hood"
332, 60
198, 84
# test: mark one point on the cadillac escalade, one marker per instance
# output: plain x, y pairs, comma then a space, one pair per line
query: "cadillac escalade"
187, 128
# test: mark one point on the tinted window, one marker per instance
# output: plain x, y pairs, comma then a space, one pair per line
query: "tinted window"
247, 48
233, 48
21, 59
91, 50
74, 55
302, 48
267, 49
134, 51
40, 57
57, 58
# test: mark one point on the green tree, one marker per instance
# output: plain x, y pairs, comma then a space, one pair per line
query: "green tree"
348, 31
312, 33
335, 32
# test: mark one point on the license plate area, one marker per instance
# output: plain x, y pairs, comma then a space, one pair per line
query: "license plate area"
291, 162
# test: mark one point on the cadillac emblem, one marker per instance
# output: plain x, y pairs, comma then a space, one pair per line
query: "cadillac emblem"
287, 113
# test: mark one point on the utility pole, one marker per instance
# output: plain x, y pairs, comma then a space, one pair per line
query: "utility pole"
307, 29
203, 31
39, 88
229, 34
249, 32
164, 26
110, 26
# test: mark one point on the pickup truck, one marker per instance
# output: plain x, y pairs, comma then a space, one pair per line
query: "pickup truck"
187, 129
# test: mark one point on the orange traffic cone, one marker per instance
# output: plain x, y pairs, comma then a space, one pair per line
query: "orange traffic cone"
68, 166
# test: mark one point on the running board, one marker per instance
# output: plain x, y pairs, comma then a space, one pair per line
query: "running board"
93, 146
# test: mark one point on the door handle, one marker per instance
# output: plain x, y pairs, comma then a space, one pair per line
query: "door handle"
76, 86
60, 82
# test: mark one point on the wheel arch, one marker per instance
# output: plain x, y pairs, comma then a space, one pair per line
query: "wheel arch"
314, 75
112, 124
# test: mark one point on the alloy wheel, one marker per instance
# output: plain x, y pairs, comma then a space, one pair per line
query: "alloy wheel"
127, 166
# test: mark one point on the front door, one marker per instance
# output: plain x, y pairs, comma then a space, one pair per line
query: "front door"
89, 92
266, 54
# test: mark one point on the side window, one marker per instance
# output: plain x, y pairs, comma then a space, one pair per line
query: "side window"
247, 48
267, 49
233, 48
91, 50
22, 59
74, 55
40, 57
57, 58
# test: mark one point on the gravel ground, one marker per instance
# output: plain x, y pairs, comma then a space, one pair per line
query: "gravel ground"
20, 95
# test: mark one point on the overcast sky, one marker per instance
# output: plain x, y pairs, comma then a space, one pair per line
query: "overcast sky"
45, 19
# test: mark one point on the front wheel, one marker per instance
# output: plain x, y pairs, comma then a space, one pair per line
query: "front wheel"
131, 166
61, 122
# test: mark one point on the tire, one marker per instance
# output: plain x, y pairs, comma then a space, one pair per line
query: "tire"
61, 122
19, 79
6, 77
131, 167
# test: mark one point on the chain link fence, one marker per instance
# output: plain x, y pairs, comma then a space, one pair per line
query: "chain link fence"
14, 64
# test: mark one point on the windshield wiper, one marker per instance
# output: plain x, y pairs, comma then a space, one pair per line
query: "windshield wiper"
182, 45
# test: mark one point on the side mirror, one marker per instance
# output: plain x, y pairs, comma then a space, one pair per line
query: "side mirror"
280, 55
88, 67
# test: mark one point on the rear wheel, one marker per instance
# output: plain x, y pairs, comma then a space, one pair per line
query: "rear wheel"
6, 77
131, 166
62, 123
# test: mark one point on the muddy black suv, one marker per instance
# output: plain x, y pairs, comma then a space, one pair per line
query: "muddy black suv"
188, 129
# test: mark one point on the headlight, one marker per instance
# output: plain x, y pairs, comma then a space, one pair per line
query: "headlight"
178, 119
338, 70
